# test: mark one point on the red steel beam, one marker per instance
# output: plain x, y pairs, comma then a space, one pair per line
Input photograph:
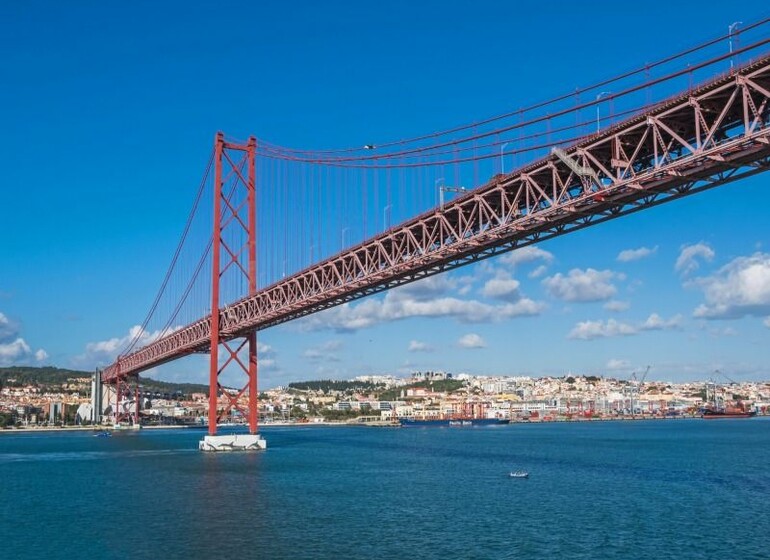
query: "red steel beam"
213, 339
228, 215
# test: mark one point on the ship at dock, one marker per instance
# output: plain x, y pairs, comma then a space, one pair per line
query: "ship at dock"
718, 406
729, 412
452, 422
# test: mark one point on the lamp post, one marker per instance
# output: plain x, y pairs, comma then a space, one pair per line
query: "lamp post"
598, 97
386, 213
730, 29
344, 231
437, 184
444, 189
502, 158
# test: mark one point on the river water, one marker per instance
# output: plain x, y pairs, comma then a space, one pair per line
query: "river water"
655, 489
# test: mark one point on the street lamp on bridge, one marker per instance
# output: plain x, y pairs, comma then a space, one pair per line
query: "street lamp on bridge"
437, 184
386, 216
598, 97
502, 158
730, 30
443, 189
344, 231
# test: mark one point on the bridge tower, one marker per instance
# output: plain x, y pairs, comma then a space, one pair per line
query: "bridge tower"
234, 221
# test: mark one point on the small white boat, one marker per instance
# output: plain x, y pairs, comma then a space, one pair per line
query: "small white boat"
519, 474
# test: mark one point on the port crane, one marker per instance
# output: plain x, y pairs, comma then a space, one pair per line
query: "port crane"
713, 389
634, 388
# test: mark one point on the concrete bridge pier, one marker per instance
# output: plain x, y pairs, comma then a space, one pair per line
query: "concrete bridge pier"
235, 442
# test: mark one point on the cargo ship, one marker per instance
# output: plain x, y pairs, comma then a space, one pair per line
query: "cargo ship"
729, 412
717, 406
453, 422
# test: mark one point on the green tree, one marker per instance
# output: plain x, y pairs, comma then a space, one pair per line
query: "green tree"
329, 414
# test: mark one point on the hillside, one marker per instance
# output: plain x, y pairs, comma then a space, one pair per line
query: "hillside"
55, 378
329, 385
43, 376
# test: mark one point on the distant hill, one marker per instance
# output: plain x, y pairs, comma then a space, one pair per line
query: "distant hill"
54, 378
23, 375
328, 385
167, 387
439, 385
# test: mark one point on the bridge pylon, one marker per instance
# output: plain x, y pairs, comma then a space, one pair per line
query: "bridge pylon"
234, 233
127, 403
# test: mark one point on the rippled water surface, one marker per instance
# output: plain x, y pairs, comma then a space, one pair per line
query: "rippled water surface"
670, 489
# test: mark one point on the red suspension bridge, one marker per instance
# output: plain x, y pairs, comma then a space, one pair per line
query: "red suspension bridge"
293, 232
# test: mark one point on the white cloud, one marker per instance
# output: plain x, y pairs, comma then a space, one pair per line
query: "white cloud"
616, 364
589, 330
265, 357
17, 352
14, 350
636, 254
465, 289
502, 287
326, 351
616, 306
687, 261
740, 288
527, 254
406, 302
471, 340
538, 272
267, 364
332, 345
721, 332
656, 323
7, 329
767, 322
417, 346
104, 352
428, 288
582, 285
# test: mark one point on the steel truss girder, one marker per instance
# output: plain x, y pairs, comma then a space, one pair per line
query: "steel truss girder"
711, 136
122, 390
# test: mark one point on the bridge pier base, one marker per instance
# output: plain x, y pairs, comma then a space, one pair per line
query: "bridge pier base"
235, 442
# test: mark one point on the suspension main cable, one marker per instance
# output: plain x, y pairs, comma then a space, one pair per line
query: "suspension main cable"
174, 259
627, 91
539, 105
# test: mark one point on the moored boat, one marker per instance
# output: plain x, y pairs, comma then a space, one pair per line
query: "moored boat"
718, 404
726, 413
453, 422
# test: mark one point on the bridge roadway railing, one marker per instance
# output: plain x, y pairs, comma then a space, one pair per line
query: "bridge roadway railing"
710, 136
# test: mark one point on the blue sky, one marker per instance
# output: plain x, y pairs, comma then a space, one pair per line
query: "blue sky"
108, 116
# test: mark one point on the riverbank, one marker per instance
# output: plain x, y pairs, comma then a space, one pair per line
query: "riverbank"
44, 429
284, 424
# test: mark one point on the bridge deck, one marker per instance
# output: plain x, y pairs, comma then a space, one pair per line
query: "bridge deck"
698, 140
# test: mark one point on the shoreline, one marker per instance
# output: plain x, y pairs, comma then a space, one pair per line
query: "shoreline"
45, 429
280, 424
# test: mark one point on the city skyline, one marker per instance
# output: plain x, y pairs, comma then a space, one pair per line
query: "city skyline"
684, 288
